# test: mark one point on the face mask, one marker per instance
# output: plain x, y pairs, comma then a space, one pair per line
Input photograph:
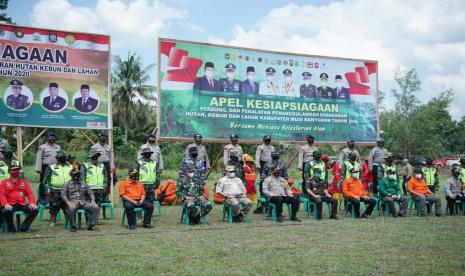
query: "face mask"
61, 159
275, 157
338, 84
456, 174
209, 74
191, 174
147, 156
194, 154
251, 77
306, 82
267, 142
287, 79
318, 175
102, 141
392, 177
15, 174
232, 174
355, 175
51, 141
229, 75
276, 174
310, 141
75, 177
269, 78
419, 176
133, 177
324, 83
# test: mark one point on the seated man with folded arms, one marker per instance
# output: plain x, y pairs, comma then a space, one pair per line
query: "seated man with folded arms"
389, 190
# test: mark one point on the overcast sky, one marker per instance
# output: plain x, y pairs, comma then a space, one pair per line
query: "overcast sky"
424, 34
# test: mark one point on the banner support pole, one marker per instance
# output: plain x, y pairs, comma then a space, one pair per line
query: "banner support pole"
214, 163
34, 140
293, 158
19, 144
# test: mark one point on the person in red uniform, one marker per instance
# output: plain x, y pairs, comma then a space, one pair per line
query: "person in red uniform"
250, 178
367, 175
13, 194
336, 171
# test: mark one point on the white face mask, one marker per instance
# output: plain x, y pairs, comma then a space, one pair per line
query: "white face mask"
229, 75
355, 175
419, 176
288, 79
191, 174
338, 84
231, 174
270, 78
251, 77
209, 73
306, 82
324, 83
392, 176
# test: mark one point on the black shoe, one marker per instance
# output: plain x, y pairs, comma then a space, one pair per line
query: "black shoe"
91, 228
73, 229
236, 219
365, 216
149, 226
439, 215
296, 219
319, 218
131, 227
394, 215
279, 219
401, 215
259, 210
333, 217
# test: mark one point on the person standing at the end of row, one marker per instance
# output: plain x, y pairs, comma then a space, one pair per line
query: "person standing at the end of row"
46, 157
376, 158
106, 156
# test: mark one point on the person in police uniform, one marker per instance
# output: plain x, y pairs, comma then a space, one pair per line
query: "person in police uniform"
156, 156
106, 156
95, 175
375, 160
340, 91
288, 88
46, 157
233, 146
250, 86
324, 91
345, 152
238, 164
201, 151
306, 152
263, 153
17, 100
147, 173
229, 84
207, 82
56, 176
53, 102
269, 86
307, 90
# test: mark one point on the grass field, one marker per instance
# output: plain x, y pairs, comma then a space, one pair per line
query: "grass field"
381, 245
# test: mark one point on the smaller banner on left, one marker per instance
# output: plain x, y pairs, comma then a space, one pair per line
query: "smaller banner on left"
51, 78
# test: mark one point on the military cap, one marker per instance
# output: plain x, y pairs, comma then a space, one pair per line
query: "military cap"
270, 70
380, 140
146, 150
338, 77
60, 154
287, 72
197, 136
250, 69
53, 84
233, 136
16, 83
8, 148
94, 155
84, 86
310, 136
132, 172
192, 149
266, 137
316, 153
275, 153
209, 64
350, 141
102, 134
15, 168
151, 137
230, 66
51, 134
230, 168
323, 76
306, 74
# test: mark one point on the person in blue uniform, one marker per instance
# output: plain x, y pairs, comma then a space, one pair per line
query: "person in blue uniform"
207, 82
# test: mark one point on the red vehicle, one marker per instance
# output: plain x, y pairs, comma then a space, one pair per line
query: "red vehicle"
446, 162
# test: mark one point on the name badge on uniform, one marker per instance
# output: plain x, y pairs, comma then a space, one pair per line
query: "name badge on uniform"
21, 194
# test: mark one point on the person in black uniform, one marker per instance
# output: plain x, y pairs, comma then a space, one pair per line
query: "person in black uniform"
229, 84
307, 90
85, 103
341, 92
53, 102
324, 91
17, 100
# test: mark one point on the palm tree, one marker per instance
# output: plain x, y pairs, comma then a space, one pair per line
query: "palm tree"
130, 90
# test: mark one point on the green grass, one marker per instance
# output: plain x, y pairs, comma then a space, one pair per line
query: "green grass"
382, 245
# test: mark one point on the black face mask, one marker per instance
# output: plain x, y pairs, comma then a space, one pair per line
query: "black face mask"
234, 159
310, 141
318, 158
75, 176
147, 156
194, 154
151, 141
275, 157
102, 141
8, 155
51, 141
276, 174
133, 177
267, 142
61, 159
456, 174
352, 159
351, 146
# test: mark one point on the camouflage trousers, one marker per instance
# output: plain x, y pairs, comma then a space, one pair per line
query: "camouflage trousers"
55, 202
149, 192
204, 206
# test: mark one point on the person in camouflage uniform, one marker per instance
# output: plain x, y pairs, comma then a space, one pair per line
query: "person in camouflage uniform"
56, 176
190, 189
237, 163
198, 164
147, 171
274, 163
